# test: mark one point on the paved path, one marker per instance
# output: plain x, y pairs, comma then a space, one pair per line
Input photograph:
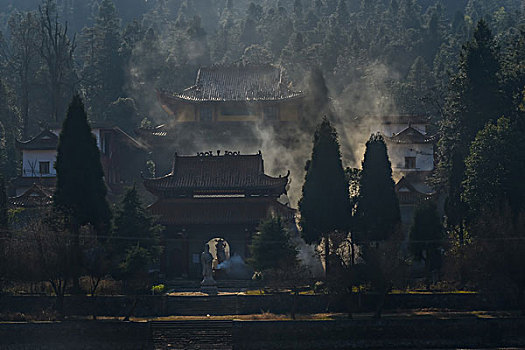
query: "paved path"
213, 334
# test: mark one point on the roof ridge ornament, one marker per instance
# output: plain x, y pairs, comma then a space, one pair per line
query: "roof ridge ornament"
212, 154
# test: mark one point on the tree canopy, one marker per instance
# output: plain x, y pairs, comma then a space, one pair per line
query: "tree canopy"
271, 247
377, 214
80, 189
325, 202
426, 235
136, 236
495, 167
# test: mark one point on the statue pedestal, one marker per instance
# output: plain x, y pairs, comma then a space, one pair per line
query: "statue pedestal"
209, 286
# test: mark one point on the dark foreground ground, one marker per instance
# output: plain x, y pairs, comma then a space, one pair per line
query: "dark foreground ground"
402, 330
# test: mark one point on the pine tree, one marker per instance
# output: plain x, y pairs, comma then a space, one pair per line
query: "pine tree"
135, 237
325, 203
80, 190
271, 247
377, 214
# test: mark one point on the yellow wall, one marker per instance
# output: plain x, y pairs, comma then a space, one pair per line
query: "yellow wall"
185, 113
289, 112
238, 118
253, 115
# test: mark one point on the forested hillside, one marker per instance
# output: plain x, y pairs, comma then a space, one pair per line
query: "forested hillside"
378, 57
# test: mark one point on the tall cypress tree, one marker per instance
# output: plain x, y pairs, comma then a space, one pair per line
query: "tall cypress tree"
377, 214
325, 203
80, 190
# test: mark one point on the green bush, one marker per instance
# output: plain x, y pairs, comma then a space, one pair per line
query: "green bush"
158, 289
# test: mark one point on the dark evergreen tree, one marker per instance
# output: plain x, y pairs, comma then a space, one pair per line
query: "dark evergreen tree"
317, 102
514, 69
271, 247
475, 99
325, 203
377, 215
426, 236
134, 225
495, 168
80, 190
135, 238
104, 66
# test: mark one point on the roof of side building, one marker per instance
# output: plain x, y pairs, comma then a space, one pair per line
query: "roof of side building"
410, 135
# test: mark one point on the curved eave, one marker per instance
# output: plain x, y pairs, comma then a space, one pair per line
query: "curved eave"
272, 190
409, 142
197, 100
181, 97
32, 145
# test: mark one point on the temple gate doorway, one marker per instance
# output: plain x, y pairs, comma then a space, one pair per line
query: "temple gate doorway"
220, 250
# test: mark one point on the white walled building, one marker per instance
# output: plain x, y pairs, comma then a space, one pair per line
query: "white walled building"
122, 159
411, 153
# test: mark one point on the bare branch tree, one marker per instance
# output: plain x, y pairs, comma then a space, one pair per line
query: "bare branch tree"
57, 51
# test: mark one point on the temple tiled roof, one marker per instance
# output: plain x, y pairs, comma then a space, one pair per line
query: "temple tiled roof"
35, 196
222, 174
46, 140
28, 181
402, 119
213, 211
412, 189
410, 135
238, 83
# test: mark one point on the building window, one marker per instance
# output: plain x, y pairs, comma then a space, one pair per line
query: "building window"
270, 113
206, 114
44, 168
105, 143
410, 162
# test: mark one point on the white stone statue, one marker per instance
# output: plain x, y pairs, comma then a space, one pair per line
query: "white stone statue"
206, 261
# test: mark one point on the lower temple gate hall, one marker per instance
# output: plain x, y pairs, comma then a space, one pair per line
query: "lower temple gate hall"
215, 199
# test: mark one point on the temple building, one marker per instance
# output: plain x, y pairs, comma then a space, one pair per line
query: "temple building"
213, 198
228, 106
122, 158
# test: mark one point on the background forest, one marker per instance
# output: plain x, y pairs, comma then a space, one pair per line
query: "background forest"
378, 57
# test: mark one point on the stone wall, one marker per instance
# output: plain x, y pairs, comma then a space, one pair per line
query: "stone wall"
243, 304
